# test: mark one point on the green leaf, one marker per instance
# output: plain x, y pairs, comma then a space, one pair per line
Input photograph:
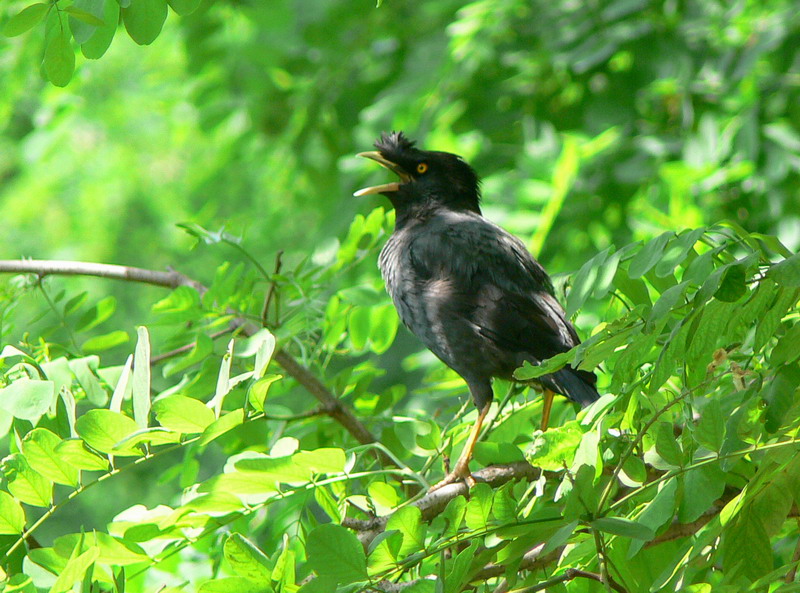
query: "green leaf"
257, 394
786, 350
111, 550
75, 452
335, 552
224, 383
327, 503
85, 17
383, 323
384, 551
787, 272
26, 484
144, 19
106, 341
183, 414
28, 399
26, 19
479, 506
623, 527
667, 446
780, 395
12, 517
710, 431
96, 45
408, 521
202, 347
103, 429
585, 281
184, 7
84, 370
358, 327
555, 448
657, 513
141, 378
665, 304
676, 251
383, 495
75, 569
101, 312
703, 486
649, 255
322, 461
221, 425
734, 284
246, 559
746, 547
40, 449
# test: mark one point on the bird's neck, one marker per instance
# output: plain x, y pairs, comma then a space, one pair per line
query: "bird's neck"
422, 210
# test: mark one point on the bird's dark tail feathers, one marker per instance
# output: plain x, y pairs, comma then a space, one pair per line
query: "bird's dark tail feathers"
575, 384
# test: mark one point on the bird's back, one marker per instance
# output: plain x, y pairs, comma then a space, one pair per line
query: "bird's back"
477, 299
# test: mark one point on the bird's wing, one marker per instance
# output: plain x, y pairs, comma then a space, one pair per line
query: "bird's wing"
493, 283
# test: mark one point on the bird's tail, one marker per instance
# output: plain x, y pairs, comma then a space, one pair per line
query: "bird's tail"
579, 386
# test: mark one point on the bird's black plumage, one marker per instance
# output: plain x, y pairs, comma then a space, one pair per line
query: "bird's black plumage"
467, 288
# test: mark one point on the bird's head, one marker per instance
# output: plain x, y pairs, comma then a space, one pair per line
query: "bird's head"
426, 177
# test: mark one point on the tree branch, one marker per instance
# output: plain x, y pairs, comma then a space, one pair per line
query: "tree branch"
40, 267
172, 279
434, 503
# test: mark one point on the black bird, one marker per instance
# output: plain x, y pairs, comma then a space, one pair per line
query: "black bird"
465, 287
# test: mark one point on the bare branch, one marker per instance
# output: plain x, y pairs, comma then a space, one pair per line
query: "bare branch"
168, 279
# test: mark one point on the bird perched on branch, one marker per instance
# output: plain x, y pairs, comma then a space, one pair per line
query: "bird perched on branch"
465, 287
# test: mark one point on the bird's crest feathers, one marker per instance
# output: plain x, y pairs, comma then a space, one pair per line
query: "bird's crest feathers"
394, 142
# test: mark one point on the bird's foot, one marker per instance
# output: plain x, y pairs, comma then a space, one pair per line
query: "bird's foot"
460, 473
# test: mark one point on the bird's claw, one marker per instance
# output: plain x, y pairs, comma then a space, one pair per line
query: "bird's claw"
460, 473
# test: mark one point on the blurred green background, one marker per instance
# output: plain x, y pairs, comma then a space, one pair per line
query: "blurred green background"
246, 115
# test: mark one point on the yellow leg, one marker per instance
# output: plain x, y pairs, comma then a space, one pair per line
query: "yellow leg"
547, 404
461, 469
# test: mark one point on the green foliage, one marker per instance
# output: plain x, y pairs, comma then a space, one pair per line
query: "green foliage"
695, 442
611, 136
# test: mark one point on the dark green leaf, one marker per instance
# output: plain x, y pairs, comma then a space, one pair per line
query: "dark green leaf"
780, 395
787, 272
734, 284
623, 527
649, 255
95, 47
59, 59
81, 25
144, 19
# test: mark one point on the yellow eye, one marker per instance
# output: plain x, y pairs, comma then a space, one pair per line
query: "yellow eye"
422, 167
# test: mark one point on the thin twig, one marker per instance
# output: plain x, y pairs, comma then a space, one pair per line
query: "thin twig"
271, 292
185, 348
568, 575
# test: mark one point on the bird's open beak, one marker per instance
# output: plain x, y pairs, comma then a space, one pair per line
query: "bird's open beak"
393, 167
